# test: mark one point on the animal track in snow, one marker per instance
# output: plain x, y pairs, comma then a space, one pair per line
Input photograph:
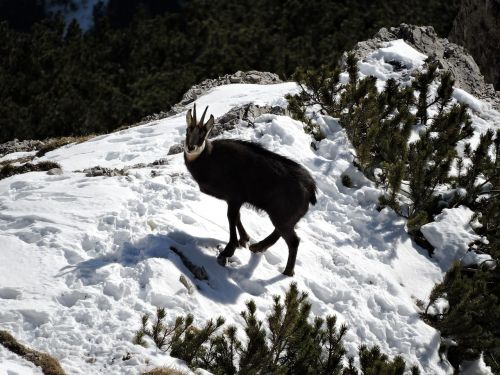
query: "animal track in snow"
10, 293
137, 142
69, 299
35, 317
112, 155
119, 140
148, 130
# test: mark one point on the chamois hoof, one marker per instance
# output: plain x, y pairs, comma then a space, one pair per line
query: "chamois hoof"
288, 273
222, 260
257, 248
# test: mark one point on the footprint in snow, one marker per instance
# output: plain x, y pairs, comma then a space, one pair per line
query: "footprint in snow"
112, 155
137, 142
19, 185
10, 293
70, 299
145, 130
119, 140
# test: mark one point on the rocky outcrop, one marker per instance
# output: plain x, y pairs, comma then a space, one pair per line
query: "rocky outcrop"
244, 115
451, 56
252, 76
477, 28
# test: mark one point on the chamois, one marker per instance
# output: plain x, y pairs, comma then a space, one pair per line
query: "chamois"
243, 172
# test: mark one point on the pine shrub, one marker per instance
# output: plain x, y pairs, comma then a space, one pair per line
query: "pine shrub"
292, 342
379, 124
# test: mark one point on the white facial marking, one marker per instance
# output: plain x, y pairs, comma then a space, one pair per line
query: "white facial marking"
191, 155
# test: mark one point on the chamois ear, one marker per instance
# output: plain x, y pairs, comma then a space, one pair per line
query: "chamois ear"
189, 119
210, 124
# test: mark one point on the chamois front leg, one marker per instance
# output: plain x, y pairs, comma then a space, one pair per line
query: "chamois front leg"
233, 211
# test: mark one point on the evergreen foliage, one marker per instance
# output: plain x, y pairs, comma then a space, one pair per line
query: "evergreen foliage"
379, 126
291, 343
414, 174
142, 55
472, 320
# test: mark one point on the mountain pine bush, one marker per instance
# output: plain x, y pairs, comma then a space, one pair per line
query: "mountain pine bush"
379, 126
291, 342
414, 175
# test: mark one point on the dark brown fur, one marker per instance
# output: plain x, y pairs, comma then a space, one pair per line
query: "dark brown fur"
243, 172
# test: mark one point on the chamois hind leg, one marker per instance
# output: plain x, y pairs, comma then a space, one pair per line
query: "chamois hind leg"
244, 237
292, 241
233, 210
266, 243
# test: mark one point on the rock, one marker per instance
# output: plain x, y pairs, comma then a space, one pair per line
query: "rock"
184, 281
55, 171
175, 149
235, 79
253, 76
162, 161
244, 115
102, 171
451, 56
476, 27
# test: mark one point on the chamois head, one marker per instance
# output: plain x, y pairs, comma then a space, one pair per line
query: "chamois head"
197, 132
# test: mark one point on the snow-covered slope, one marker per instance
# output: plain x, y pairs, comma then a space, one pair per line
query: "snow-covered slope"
82, 258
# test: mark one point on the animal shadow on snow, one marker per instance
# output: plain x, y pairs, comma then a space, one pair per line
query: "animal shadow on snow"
223, 284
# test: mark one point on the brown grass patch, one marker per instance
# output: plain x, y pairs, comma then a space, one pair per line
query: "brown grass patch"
165, 371
48, 364
52, 144
9, 170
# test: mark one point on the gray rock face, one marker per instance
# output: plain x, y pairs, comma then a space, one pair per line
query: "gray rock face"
477, 28
451, 56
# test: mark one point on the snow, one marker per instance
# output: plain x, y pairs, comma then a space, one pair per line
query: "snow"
450, 233
464, 97
83, 258
150, 142
380, 62
399, 50
17, 155
11, 364
475, 367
